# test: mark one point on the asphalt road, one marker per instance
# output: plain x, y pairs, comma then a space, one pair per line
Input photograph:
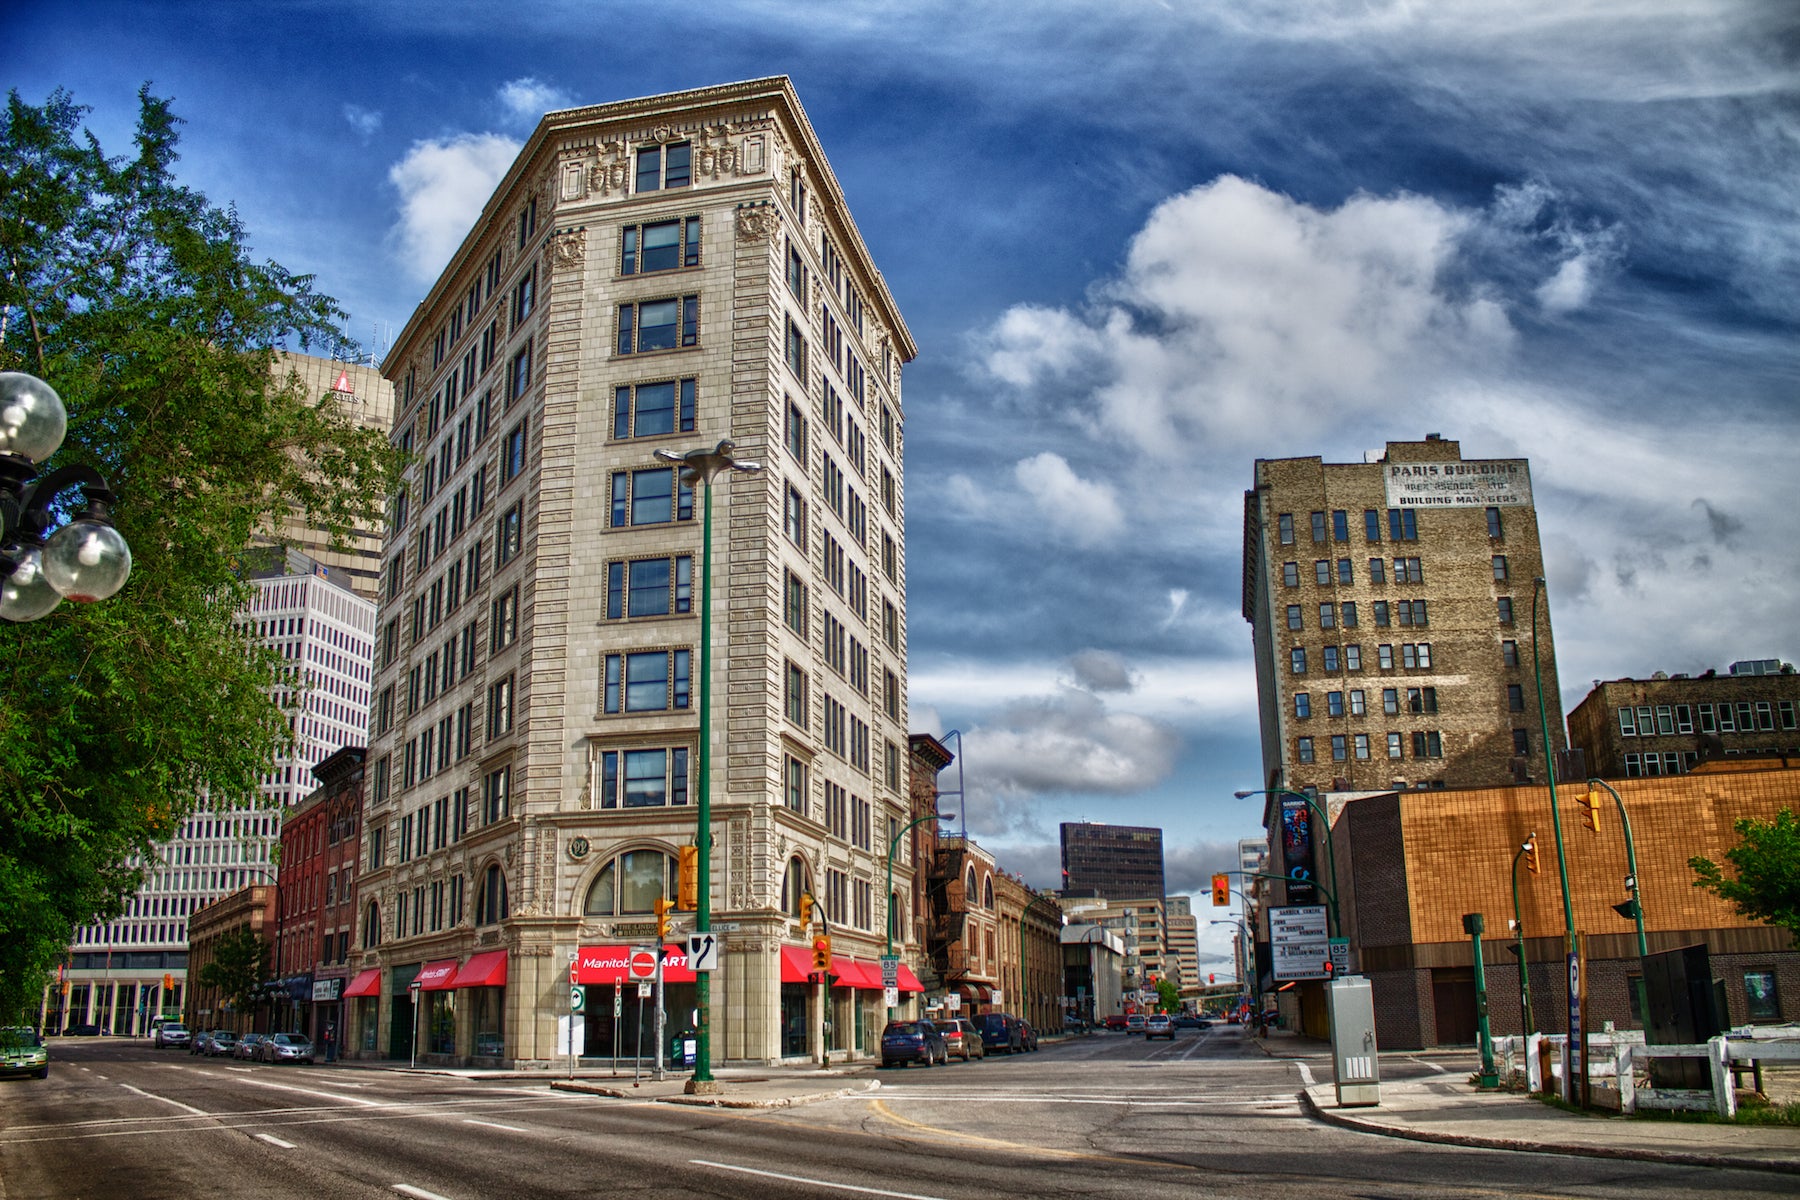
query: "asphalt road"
1110, 1115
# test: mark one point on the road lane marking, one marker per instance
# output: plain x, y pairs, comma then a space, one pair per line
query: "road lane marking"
288, 1087
275, 1141
198, 1112
408, 1189
495, 1125
1023, 1147
99, 1076
1305, 1074
824, 1183
1425, 1063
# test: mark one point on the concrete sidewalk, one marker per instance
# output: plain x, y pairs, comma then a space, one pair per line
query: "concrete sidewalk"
1450, 1110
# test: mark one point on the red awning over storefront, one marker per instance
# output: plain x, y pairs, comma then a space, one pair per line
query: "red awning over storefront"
796, 963
366, 983
908, 981
612, 964
436, 976
483, 970
854, 973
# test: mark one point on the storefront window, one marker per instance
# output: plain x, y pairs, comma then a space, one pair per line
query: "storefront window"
367, 1016
490, 1017
793, 1020
441, 1033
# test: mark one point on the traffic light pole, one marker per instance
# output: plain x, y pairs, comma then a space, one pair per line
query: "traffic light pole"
1529, 845
1637, 898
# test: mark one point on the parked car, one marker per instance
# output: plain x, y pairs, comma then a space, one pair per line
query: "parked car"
247, 1045
1000, 1033
961, 1038
1190, 1021
170, 1033
22, 1052
1116, 1021
1159, 1025
1134, 1023
221, 1042
83, 1029
1028, 1039
287, 1047
906, 1042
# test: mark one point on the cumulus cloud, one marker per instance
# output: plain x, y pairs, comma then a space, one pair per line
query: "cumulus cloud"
527, 99
1101, 671
1070, 743
442, 186
366, 121
1240, 309
1085, 510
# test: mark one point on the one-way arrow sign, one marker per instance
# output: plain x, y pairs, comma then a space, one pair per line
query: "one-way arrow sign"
703, 951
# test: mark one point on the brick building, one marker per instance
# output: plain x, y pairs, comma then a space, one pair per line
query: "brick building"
1390, 603
649, 275
204, 1007
1664, 725
320, 843
1412, 863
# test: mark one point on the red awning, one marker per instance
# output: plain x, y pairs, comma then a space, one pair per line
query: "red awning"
436, 976
612, 964
366, 983
483, 970
908, 981
796, 964
853, 974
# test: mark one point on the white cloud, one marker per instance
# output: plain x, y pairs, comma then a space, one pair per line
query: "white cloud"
442, 186
527, 99
1070, 743
1101, 671
366, 121
1087, 511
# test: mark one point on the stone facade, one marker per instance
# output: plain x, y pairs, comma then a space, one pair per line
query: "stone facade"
650, 275
254, 907
1633, 728
1411, 864
1390, 603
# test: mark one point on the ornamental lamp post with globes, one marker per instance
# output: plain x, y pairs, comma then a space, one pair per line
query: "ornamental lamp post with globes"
699, 466
84, 559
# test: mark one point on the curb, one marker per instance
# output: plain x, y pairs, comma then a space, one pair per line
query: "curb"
1567, 1149
720, 1100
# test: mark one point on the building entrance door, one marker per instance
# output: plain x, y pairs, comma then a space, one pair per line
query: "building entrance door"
1453, 998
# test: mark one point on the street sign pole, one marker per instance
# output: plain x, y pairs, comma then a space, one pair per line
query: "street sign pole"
661, 1032
618, 1011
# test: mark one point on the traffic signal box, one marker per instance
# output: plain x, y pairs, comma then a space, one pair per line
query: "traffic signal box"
821, 948
663, 906
806, 909
1531, 858
1221, 890
1590, 810
687, 887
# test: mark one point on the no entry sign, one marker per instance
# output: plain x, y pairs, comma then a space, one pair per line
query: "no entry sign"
643, 964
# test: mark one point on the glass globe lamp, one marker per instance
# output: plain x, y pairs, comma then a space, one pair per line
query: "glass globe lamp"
32, 417
26, 595
86, 560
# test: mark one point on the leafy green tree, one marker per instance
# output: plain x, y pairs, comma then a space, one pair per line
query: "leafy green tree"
1767, 861
1168, 997
238, 967
140, 303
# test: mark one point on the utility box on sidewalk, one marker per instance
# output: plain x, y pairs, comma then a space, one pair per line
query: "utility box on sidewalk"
1353, 1048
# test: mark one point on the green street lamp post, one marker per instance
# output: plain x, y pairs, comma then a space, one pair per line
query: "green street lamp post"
1634, 907
1337, 922
894, 846
1577, 1046
700, 466
1528, 846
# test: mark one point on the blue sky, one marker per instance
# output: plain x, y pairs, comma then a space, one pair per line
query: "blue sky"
1141, 244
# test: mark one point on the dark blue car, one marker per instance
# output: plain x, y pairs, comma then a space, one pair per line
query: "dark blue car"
1001, 1033
904, 1042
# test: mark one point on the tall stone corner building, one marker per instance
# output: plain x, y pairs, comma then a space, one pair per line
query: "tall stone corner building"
655, 274
1391, 609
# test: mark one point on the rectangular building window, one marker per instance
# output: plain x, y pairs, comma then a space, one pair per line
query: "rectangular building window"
1293, 617
1304, 750
1372, 524
653, 409
646, 681
1318, 527
1290, 574
1402, 525
1493, 522
1503, 607
1499, 568
1302, 705
1285, 524
659, 246
649, 497
650, 325
796, 695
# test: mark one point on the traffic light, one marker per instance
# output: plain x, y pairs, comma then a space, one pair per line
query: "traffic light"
806, 908
662, 906
168, 983
1221, 890
1329, 969
822, 952
687, 887
1590, 810
1531, 860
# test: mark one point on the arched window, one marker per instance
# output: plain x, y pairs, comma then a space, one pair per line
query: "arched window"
630, 884
971, 892
794, 884
490, 901
371, 926
896, 919
987, 892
